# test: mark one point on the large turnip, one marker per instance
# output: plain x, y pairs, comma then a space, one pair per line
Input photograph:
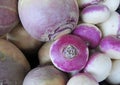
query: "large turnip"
48, 19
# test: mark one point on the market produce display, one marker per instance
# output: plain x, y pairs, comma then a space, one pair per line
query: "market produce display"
59, 42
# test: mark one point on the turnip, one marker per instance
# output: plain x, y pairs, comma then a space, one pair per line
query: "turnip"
82, 79
47, 75
23, 40
13, 64
110, 45
114, 77
99, 66
69, 53
111, 4
48, 19
8, 15
43, 53
90, 33
95, 14
112, 25
84, 3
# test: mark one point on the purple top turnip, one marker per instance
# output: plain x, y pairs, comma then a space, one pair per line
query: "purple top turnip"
111, 46
95, 14
69, 53
90, 33
48, 19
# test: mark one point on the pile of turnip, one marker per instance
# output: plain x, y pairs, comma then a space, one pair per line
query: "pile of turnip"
59, 42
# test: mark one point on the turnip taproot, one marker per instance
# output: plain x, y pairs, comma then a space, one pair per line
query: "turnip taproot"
110, 45
43, 53
69, 53
13, 64
48, 19
99, 66
90, 33
114, 77
23, 40
95, 14
111, 26
47, 75
82, 79
8, 15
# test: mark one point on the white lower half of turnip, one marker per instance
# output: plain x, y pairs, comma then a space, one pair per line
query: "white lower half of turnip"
99, 66
82, 79
69, 53
110, 45
90, 33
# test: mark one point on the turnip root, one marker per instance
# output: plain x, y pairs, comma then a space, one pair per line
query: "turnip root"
114, 77
43, 53
47, 75
90, 33
110, 45
95, 14
111, 4
23, 40
99, 66
82, 79
112, 25
84, 3
8, 15
13, 64
69, 53
48, 19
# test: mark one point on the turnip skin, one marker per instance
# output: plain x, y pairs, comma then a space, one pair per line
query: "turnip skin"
111, 26
48, 19
8, 15
47, 75
99, 66
110, 45
90, 33
69, 53
114, 77
13, 64
82, 79
95, 14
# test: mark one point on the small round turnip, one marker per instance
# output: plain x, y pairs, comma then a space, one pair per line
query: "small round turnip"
112, 25
99, 66
8, 15
114, 77
48, 19
110, 45
69, 53
23, 40
95, 14
47, 75
43, 53
84, 3
111, 4
82, 79
90, 33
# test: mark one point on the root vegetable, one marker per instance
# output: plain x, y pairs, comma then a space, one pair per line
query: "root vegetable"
95, 14
99, 66
69, 53
47, 75
43, 53
110, 45
112, 25
13, 64
114, 77
8, 15
82, 79
90, 33
48, 19
23, 40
